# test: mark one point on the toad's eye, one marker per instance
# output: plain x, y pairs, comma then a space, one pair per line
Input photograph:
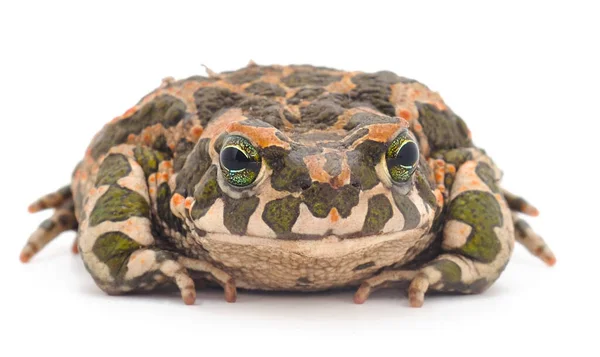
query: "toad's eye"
240, 161
402, 157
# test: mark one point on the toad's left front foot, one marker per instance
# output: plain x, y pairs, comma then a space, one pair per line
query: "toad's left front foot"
447, 273
477, 241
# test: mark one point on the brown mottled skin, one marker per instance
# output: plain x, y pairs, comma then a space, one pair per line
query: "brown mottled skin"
289, 178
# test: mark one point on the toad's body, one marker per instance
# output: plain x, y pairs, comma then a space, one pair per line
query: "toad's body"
289, 178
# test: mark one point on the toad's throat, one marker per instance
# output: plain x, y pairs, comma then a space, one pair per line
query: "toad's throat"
307, 265
324, 246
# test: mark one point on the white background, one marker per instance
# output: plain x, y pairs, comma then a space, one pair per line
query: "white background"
523, 76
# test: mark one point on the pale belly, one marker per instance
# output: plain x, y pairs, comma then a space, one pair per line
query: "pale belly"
310, 265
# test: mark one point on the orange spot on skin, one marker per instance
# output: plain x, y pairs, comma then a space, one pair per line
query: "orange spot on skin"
177, 199
167, 164
334, 216
440, 106
263, 137
439, 197
152, 178
197, 131
130, 138
188, 202
129, 111
92, 191
405, 114
147, 139
315, 168
151, 190
383, 132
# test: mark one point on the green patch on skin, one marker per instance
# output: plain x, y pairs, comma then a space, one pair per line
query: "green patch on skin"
236, 213
346, 199
307, 93
206, 193
267, 110
244, 76
198, 161
160, 144
362, 162
119, 204
443, 128
375, 89
114, 249
425, 190
363, 119
378, 213
452, 278
321, 113
486, 174
281, 214
481, 211
289, 171
412, 216
456, 157
163, 203
320, 198
266, 89
451, 272
114, 167
148, 159
210, 100
165, 110
302, 78
182, 150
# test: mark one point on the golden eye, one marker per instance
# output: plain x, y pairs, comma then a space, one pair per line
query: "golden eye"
402, 157
240, 161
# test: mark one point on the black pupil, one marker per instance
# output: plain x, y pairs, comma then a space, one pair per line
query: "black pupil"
408, 155
234, 159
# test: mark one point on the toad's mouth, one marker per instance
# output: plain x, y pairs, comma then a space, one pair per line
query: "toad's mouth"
323, 247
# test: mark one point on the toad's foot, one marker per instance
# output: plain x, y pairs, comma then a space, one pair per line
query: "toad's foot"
62, 220
149, 268
117, 240
477, 240
525, 235
447, 273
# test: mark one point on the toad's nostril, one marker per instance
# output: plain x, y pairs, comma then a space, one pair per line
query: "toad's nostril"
305, 185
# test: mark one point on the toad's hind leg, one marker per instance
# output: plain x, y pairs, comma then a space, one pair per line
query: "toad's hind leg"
524, 234
478, 238
63, 219
116, 239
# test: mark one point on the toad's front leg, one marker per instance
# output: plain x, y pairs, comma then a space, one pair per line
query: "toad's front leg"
478, 239
116, 240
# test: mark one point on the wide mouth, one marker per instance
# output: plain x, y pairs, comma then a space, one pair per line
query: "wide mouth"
325, 246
